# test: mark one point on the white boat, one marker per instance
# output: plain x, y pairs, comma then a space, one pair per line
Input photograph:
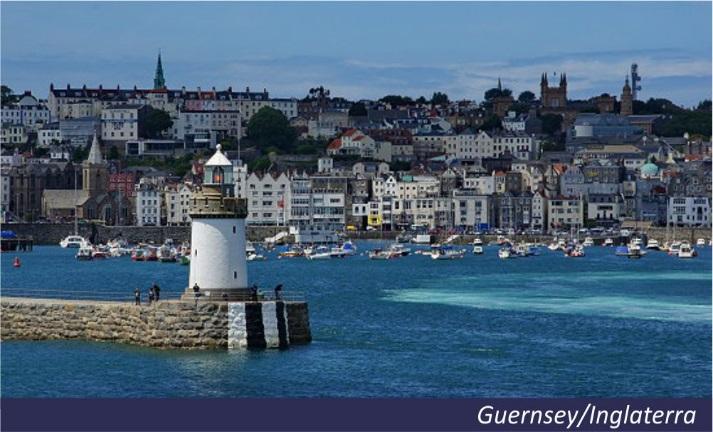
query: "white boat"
653, 244
320, 253
674, 248
686, 251
608, 242
85, 253
701, 242
249, 247
478, 250
399, 249
637, 241
504, 253
447, 254
73, 241
252, 256
588, 241
553, 246
346, 249
477, 242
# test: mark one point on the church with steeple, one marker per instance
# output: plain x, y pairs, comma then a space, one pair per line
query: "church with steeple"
159, 82
93, 201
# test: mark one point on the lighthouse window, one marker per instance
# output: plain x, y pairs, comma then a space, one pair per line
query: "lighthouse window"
233, 229
218, 175
195, 252
235, 275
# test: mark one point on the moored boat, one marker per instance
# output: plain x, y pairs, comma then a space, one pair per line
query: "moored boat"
478, 250
608, 242
686, 251
166, 254
701, 242
447, 253
84, 253
73, 241
588, 241
320, 253
653, 244
504, 253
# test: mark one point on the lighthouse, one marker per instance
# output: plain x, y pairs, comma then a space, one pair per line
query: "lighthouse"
218, 265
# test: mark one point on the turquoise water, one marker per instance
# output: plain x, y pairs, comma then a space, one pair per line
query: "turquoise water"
544, 326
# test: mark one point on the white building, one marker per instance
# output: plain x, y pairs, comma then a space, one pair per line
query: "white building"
267, 196
483, 145
355, 143
514, 122
689, 211
539, 211
121, 122
221, 123
4, 192
13, 134
148, 204
28, 112
471, 209
48, 136
240, 174
178, 203
565, 213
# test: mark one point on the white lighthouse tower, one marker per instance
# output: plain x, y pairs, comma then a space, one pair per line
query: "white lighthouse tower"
218, 265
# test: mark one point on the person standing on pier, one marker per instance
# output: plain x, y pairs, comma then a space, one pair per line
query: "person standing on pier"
156, 291
151, 295
137, 297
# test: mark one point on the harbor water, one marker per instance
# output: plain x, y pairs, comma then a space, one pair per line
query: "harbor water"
542, 326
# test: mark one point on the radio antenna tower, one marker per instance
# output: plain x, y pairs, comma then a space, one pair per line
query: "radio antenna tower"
635, 80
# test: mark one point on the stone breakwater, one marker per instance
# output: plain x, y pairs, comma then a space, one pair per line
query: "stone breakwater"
167, 324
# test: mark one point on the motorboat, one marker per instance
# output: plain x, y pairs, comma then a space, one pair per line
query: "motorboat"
608, 242
166, 254
293, 252
637, 242
84, 253
399, 249
73, 241
477, 242
382, 254
138, 254
478, 250
635, 253
504, 253
100, 252
253, 256
151, 254
249, 247
701, 242
346, 249
653, 244
674, 248
588, 241
686, 251
447, 253
320, 253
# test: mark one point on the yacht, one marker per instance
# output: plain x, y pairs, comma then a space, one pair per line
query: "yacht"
73, 241
478, 250
653, 244
608, 242
588, 241
399, 249
686, 251
477, 242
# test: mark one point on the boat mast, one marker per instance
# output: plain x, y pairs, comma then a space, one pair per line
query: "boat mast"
76, 223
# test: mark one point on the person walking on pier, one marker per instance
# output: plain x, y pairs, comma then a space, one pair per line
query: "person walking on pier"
253, 292
151, 295
137, 297
196, 292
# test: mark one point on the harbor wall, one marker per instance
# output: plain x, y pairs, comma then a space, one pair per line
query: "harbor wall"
52, 234
167, 324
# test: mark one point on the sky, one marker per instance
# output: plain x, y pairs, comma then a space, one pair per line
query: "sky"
361, 50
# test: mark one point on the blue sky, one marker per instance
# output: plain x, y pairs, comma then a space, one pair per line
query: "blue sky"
361, 50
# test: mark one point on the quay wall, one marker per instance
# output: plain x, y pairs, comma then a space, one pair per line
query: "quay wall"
51, 234
166, 325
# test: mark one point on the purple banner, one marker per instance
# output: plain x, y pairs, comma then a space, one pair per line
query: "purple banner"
356, 414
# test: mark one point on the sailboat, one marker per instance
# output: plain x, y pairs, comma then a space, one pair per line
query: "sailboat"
74, 240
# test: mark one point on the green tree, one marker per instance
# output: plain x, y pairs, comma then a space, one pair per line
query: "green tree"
421, 100
79, 154
551, 123
357, 110
260, 164
526, 97
270, 128
704, 105
156, 122
491, 122
396, 100
7, 95
113, 153
439, 98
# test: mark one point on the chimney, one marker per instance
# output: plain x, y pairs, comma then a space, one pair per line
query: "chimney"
100, 87
230, 89
51, 86
67, 86
247, 89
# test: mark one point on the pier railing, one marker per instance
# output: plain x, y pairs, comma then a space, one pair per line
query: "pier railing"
127, 296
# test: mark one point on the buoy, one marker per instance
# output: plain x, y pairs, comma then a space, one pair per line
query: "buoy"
16, 262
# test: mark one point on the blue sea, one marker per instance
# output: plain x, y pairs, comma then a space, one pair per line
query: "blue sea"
543, 326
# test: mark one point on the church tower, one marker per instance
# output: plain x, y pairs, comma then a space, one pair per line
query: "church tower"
553, 97
218, 264
627, 100
159, 83
95, 175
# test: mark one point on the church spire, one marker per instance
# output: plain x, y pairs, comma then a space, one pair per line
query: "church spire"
159, 82
95, 154
500, 86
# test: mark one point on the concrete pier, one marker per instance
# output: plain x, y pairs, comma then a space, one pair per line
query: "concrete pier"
166, 324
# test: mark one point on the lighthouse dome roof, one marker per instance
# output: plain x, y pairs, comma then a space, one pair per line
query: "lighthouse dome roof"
218, 159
